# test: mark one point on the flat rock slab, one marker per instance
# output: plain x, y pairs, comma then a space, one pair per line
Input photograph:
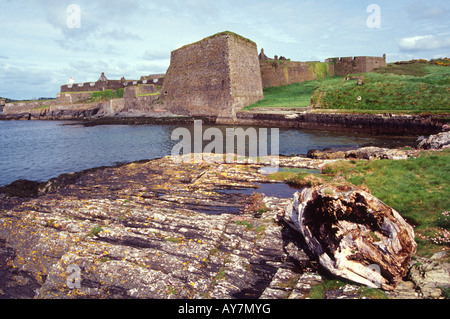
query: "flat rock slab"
153, 229
158, 230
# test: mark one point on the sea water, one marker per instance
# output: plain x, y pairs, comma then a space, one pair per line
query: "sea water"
41, 150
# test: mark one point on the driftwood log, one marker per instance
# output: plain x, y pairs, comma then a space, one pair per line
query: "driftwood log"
353, 234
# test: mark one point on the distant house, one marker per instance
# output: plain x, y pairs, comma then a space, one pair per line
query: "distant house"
102, 78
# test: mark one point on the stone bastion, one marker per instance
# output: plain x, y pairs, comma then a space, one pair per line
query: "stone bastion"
216, 76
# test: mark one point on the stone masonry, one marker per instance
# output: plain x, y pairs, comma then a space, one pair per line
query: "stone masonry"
355, 65
285, 72
216, 76
2, 104
104, 83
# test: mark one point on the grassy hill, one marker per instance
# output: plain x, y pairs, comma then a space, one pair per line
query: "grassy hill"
413, 86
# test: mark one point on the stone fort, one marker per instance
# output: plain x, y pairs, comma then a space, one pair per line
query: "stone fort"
215, 77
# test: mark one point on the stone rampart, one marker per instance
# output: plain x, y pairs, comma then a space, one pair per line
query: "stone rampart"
355, 65
245, 73
140, 98
284, 72
111, 84
93, 86
70, 98
26, 106
213, 77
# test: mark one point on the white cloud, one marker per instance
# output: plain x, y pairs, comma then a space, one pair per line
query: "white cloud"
135, 37
423, 43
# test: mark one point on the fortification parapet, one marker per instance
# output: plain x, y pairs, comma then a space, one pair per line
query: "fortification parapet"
284, 72
105, 84
359, 64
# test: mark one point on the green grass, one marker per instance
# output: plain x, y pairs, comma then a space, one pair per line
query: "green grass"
418, 188
294, 95
247, 224
229, 33
298, 180
174, 240
42, 107
106, 95
413, 88
100, 96
413, 69
420, 87
330, 285
27, 101
94, 232
149, 94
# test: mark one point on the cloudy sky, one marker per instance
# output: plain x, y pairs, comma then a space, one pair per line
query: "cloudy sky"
45, 42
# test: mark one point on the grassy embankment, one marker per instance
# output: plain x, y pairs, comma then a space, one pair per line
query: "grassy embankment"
106, 95
418, 188
411, 87
103, 96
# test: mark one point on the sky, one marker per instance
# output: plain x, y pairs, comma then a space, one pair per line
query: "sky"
43, 43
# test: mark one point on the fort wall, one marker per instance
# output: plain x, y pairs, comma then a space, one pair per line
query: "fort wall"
245, 73
70, 98
26, 107
284, 72
281, 71
355, 65
112, 84
140, 98
197, 81
213, 77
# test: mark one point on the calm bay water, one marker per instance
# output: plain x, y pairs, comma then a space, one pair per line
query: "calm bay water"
41, 150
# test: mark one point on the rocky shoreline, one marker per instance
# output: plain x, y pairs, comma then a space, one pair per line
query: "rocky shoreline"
380, 124
162, 229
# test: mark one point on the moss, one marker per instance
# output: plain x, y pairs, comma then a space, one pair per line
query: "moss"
372, 293
286, 73
298, 180
174, 240
229, 33
106, 95
42, 107
94, 232
247, 224
149, 94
